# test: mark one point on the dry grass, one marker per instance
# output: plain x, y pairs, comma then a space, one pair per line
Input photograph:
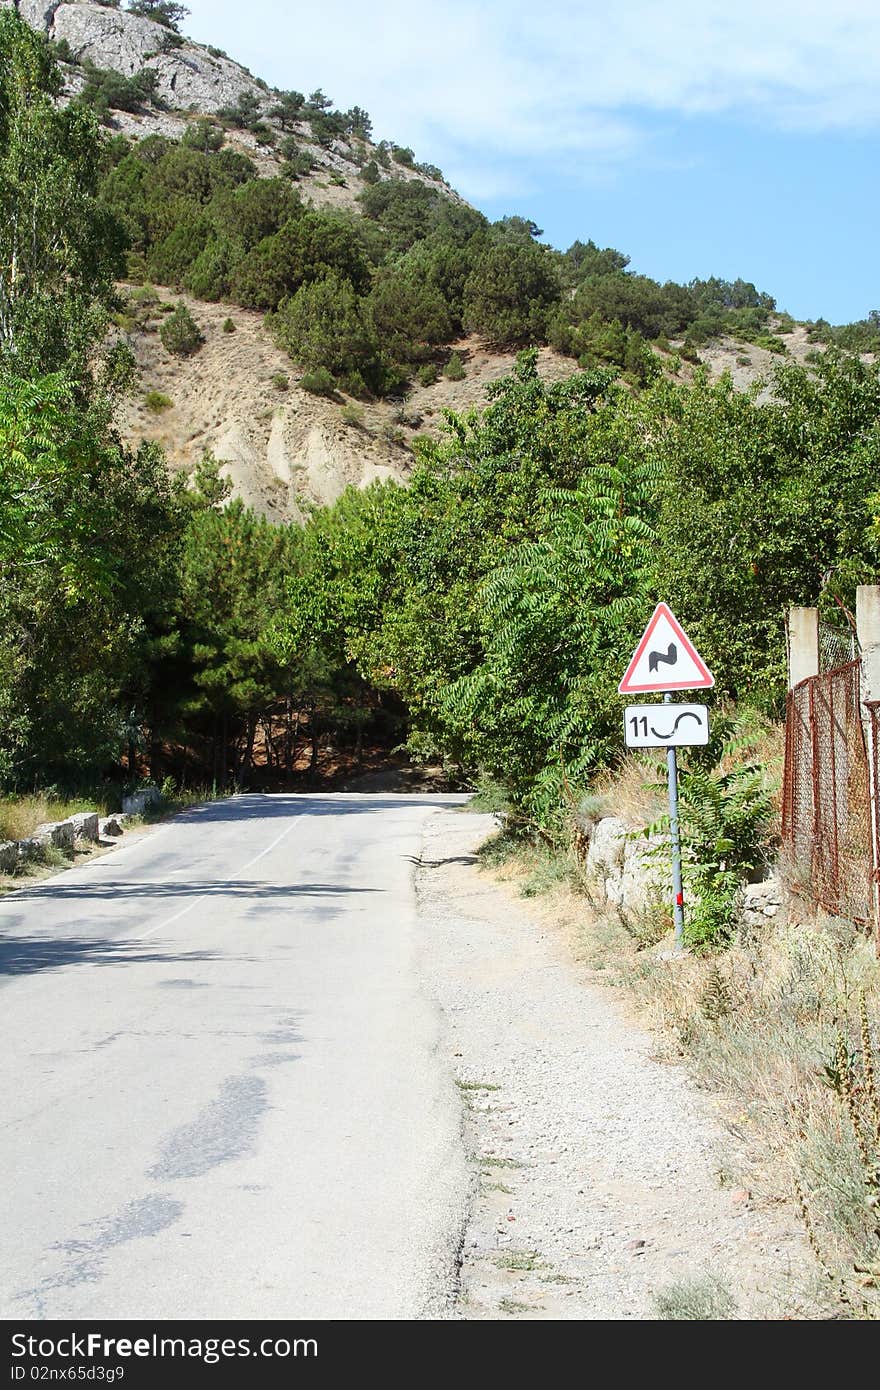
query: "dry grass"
635, 790
758, 1025
707, 1299
20, 815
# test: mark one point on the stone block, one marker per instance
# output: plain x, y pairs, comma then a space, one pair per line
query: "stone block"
59, 833
85, 825
31, 848
761, 902
606, 848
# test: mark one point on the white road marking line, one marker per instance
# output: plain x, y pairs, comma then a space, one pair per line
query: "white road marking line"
169, 921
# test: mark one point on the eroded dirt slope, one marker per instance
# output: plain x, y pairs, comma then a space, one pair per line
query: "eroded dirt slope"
240, 397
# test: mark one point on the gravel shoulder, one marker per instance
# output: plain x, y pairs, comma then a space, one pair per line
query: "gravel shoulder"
597, 1169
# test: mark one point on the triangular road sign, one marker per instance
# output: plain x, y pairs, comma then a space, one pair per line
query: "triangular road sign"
665, 659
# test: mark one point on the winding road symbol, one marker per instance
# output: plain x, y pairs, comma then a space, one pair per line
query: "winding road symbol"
685, 714
669, 657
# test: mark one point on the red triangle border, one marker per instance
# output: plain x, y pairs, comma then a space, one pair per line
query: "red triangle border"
664, 611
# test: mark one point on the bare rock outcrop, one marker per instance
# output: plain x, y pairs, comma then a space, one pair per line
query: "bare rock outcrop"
190, 77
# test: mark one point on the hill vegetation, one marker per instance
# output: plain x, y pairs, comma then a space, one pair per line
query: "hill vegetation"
370, 298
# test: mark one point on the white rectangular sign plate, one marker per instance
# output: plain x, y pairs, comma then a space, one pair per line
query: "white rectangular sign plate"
666, 726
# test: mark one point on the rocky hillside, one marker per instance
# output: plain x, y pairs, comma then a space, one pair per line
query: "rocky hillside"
283, 446
240, 395
194, 81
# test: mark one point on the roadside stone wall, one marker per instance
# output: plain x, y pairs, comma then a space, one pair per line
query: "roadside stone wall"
631, 873
626, 869
84, 827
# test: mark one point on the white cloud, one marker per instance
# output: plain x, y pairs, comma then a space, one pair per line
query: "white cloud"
510, 83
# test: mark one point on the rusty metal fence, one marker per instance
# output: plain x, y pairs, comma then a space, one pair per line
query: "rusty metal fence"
827, 806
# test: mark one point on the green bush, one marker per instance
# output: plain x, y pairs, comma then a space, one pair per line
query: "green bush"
325, 325
228, 326
280, 381
243, 113
428, 374
288, 109
635, 302
170, 260
63, 52
410, 315
166, 12
861, 336
135, 267
770, 343
454, 369
352, 415
319, 382
106, 90
508, 297
157, 401
309, 246
297, 166
180, 333
167, 44
725, 819
210, 276
204, 135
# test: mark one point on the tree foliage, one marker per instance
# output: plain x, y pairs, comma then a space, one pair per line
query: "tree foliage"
509, 294
325, 325
164, 12
60, 247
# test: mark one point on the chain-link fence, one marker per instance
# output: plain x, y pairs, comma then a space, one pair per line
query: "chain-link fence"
837, 647
826, 811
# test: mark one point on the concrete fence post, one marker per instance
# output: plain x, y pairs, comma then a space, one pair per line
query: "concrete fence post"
803, 645
868, 633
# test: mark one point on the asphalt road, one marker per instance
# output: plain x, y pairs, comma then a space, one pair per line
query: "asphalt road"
219, 1082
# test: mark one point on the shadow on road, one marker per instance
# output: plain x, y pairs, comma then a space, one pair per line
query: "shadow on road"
122, 890
285, 805
26, 955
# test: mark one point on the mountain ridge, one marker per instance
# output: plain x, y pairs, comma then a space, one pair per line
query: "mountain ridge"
284, 447
193, 80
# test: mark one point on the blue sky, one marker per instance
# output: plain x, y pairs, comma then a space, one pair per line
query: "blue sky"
699, 137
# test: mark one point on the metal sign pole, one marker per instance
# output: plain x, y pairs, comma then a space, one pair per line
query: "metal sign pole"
675, 836
664, 643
